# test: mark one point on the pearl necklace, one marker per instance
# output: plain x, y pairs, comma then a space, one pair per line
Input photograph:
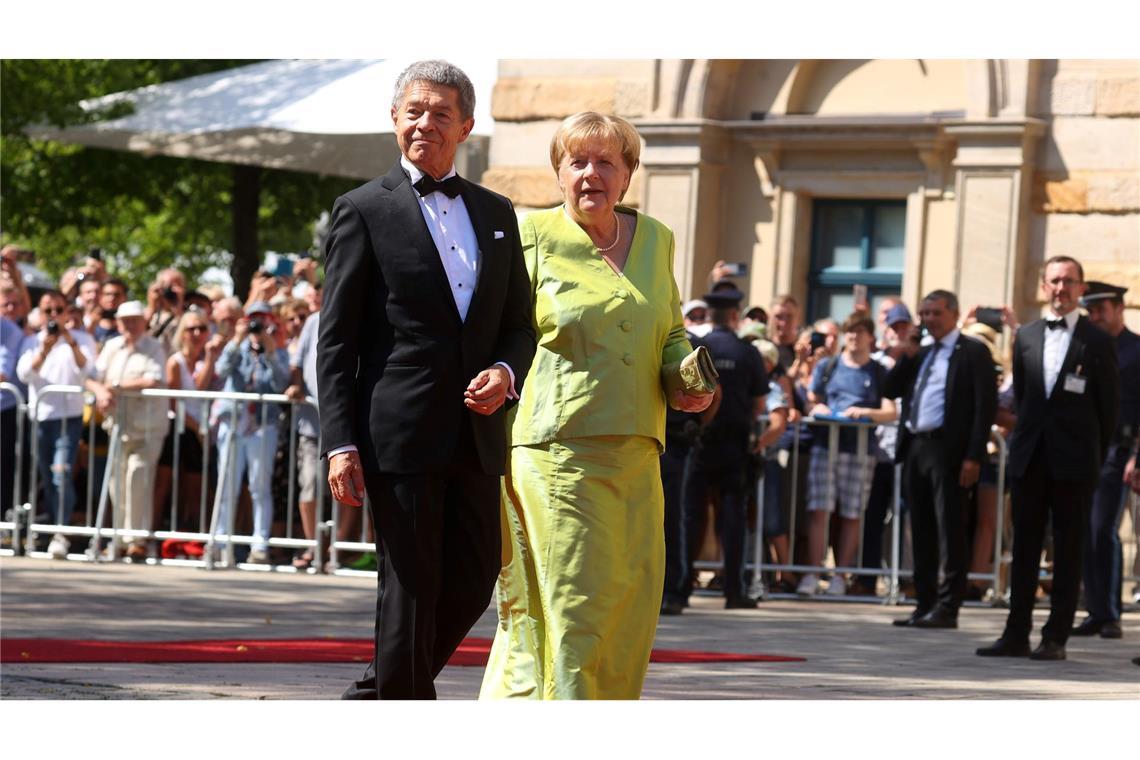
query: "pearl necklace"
617, 237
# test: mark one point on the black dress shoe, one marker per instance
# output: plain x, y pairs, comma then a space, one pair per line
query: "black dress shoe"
1004, 647
672, 607
1111, 630
1088, 627
937, 618
1048, 650
740, 603
908, 622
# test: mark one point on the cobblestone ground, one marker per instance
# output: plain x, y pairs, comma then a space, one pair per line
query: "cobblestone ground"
852, 650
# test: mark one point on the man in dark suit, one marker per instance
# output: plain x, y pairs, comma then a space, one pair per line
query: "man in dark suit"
949, 393
426, 330
1066, 386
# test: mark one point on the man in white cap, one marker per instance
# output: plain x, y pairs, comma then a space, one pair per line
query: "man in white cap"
132, 361
695, 313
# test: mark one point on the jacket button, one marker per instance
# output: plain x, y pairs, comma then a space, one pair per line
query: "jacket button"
622, 293
626, 325
628, 358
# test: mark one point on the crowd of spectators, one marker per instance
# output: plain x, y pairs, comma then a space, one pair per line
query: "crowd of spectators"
233, 457
93, 332
827, 371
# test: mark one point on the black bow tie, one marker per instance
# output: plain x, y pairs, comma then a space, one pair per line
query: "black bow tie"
450, 187
1056, 324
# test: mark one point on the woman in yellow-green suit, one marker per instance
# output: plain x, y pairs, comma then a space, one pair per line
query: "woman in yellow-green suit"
579, 594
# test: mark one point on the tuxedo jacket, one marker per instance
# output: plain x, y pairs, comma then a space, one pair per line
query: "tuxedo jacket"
393, 355
970, 401
1075, 428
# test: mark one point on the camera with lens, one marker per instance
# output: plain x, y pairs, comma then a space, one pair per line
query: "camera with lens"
170, 294
52, 327
256, 326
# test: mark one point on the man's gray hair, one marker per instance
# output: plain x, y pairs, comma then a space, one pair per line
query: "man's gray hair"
943, 295
439, 73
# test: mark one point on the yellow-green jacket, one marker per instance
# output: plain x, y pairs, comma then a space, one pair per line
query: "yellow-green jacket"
602, 337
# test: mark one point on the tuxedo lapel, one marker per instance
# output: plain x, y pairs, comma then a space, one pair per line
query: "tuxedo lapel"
952, 370
407, 210
1035, 356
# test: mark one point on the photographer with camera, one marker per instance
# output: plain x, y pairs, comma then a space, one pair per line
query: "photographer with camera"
251, 362
165, 302
57, 355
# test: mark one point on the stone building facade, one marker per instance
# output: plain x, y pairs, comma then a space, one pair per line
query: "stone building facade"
903, 175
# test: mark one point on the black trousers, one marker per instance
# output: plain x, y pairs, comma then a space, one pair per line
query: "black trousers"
938, 525
721, 466
1036, 497
674, 468
1104, 560
874, 520
440, 541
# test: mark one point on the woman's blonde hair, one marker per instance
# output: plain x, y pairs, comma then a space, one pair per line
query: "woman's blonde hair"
180, 331
586, 126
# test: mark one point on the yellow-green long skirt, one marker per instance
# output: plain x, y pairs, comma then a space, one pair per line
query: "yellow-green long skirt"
580, 594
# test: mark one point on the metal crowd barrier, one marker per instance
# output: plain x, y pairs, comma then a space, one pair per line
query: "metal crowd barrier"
96, 513
894, 571
19, 508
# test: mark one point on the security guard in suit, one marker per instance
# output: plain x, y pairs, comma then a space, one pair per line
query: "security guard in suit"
720, 461
1103, 559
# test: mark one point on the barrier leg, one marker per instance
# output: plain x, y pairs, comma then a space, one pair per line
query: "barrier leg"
896, 536
101, 514
759, 589
999, 599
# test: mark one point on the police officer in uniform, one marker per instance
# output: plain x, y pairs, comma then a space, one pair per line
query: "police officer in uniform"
720, 461
1103, 559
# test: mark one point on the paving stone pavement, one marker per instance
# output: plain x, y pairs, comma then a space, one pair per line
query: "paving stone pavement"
852, 650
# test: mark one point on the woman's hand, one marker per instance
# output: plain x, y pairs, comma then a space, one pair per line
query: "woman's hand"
691, 402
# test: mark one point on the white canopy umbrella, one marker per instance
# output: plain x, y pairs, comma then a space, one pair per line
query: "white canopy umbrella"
323, 116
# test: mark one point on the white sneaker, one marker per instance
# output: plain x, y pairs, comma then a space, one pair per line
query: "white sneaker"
838, 586
258, 557
59, 546
809, 585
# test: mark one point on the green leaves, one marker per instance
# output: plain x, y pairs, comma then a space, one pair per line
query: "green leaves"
145, 212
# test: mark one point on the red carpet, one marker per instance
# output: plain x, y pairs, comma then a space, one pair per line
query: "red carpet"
472, 652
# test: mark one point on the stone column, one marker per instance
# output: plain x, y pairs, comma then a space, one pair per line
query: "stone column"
993, 169
682, 165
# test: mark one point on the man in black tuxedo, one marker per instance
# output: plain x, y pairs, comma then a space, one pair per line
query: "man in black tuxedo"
949, 393
1067, 388
426, 331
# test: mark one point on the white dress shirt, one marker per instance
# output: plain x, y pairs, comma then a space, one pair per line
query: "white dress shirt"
59, 367
930, 404
1056, 346
454, 238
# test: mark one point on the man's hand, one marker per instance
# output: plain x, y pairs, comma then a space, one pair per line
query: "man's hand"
969, 474
691, 402
487, 391
104, 397
346, 478
295, 392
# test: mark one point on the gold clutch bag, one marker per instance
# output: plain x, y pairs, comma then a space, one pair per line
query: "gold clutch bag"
694, 374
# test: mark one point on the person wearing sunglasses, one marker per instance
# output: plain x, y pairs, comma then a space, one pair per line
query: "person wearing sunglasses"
56, 355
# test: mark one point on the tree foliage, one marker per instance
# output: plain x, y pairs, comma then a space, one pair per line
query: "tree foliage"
145, 212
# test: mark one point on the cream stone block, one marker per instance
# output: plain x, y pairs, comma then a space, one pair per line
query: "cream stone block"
583, 67
523, 143
1114, 191
1072, 96
529, 98
1105, 238
1118, 96
1086, 144
533, 187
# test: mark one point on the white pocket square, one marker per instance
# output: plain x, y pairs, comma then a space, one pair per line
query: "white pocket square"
499, 234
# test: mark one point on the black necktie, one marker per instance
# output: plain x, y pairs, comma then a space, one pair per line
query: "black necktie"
450, 187
1056, 324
